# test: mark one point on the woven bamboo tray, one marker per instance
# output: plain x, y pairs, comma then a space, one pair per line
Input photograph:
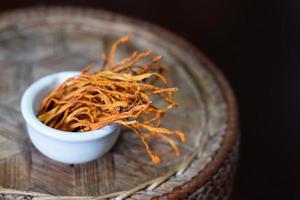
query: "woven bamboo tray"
40, 41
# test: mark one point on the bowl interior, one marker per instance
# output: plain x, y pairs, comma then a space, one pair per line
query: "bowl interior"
43, 87
33, 98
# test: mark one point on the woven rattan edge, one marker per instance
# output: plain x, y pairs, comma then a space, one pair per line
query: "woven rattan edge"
230, 135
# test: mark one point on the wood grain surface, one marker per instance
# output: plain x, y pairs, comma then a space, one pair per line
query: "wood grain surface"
46, 41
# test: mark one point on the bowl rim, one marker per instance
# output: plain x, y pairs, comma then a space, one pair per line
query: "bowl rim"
31, 119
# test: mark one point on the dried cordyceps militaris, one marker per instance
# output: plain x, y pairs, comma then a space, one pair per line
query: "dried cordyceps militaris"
120, 92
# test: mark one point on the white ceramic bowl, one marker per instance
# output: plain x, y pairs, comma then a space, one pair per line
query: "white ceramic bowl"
62, 146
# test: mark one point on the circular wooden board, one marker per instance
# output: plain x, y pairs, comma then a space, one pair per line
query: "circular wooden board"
38, 42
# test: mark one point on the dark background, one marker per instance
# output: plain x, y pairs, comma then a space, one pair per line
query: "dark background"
255, 44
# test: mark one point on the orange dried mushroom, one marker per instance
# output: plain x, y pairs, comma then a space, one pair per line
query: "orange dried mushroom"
120, 92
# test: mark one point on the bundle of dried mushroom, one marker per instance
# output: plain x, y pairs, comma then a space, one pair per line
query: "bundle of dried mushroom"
120, 92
